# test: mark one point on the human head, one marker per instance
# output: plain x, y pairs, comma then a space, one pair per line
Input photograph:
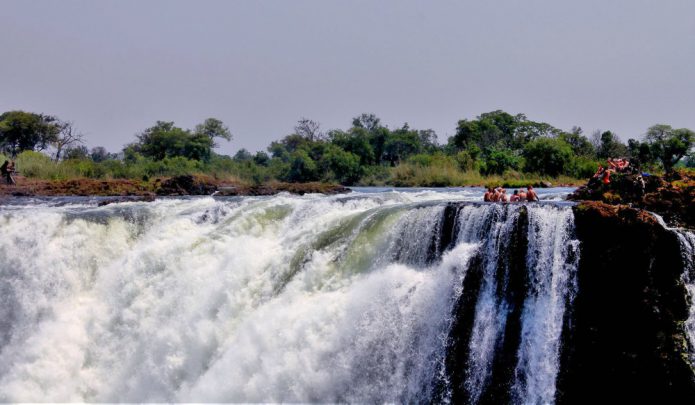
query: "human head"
516, 192
529, 188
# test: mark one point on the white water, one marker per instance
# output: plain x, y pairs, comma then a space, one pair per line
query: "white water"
259, 299
491, 309
686, 239
552, 259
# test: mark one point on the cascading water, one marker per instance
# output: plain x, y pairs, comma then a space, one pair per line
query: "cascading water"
686, 239
491, 309
344, 298
552, 261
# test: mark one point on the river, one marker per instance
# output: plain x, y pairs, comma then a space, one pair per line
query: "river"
284, 298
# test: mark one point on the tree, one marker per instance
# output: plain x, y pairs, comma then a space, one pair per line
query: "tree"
302, 167
100, 154
78, 152
608, 145
481, 132
658, 133
499, 130
344, 166
213, 128
308, 129
356, 141
581, 146
20, 131
428, 140
497, 161
370, 122
640, 153
669, 145
166, 140
68, 137
163, 140
527, 131
243, 155
402, 143
547, 156
288, 144
261, 158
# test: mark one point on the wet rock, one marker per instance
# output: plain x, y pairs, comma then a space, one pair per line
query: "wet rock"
146, 198
672, 197
627, 338
186, 185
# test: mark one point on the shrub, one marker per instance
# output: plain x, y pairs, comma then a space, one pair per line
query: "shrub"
581, 167
547, 156
36, 164
342, 166
498, 161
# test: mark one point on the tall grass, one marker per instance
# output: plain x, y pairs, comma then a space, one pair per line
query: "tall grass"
37, 165
423, 171
448, 174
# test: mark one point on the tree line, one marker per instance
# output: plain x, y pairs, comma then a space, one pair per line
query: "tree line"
493, 143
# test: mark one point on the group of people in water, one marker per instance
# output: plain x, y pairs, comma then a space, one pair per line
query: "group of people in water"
7, 170
499, 194
617, 165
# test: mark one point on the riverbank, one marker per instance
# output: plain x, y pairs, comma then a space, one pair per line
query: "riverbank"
207, 185
172, 186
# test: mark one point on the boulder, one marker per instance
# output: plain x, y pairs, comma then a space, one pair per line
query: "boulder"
186, 185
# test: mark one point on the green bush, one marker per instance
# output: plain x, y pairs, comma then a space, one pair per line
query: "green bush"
36, 164
581, 167
547, 156
421, 159
498, 161
465, 160
341, 166
302, 167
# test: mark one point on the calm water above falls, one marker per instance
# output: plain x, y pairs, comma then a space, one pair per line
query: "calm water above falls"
283, 298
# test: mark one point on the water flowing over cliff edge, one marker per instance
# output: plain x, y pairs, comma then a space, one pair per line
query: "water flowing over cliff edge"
391, 296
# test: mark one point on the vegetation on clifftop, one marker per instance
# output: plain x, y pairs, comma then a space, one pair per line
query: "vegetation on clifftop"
494, 148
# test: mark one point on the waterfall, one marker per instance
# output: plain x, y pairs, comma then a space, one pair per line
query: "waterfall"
491, 311
687, 243
686, 239
266, 299
552, 262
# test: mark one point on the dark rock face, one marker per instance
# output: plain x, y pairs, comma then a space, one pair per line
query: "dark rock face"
185, 185
626, 342
116, 200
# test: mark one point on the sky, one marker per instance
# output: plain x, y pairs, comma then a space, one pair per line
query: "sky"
116, 67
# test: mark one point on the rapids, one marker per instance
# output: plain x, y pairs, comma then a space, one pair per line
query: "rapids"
285, 298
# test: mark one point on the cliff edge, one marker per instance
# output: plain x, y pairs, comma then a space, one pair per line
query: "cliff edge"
627, 340
671, 196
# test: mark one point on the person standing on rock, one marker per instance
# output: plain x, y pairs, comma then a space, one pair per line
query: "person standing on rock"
7, 170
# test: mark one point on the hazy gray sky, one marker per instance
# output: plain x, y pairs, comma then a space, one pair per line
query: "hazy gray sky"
115, 67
